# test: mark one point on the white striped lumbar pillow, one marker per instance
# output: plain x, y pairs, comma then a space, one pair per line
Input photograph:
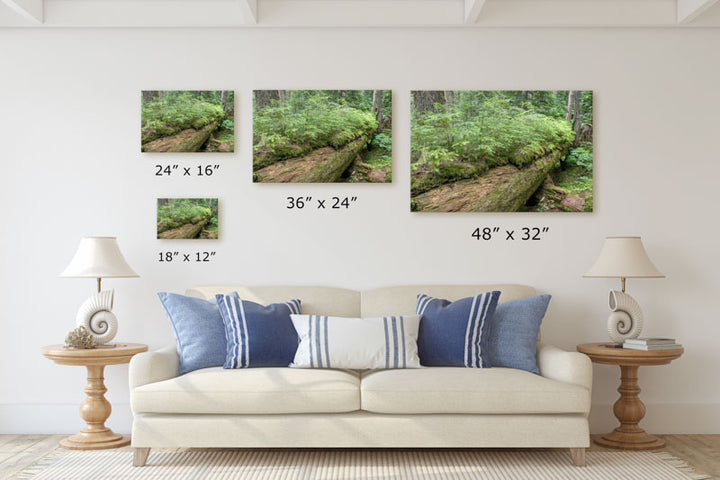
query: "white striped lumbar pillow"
356, 343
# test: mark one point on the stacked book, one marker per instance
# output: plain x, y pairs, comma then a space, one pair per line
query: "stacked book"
651, 344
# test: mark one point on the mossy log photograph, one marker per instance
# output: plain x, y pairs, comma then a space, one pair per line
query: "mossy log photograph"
502, 151
322, 136
187, 218
188, 121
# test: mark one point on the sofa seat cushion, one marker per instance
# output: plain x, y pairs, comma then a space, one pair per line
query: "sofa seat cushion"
469, 390
252, 391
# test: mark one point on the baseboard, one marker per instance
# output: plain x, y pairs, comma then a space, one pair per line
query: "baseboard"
669, 418
38, 418
64, 418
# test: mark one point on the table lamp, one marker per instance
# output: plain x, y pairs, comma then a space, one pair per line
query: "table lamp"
623, 257
98, 257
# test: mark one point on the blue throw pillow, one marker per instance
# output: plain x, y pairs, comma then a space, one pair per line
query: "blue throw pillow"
258, 336
454, 334
514, 332
199, 331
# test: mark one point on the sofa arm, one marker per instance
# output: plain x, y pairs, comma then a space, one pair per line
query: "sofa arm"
569, 367
151, 367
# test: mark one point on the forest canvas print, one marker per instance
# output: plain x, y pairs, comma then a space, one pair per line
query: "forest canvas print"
188, 121
321, 136
502, 151
187, 218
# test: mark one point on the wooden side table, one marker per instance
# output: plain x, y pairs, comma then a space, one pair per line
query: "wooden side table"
95, 409
629, 410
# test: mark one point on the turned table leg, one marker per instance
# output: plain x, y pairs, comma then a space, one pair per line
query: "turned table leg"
95, 409
629, 410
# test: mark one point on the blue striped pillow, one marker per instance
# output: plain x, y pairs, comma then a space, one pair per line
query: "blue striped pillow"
454, 334
356, 343
257, 335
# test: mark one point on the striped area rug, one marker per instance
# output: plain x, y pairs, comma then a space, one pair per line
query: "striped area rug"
357, 464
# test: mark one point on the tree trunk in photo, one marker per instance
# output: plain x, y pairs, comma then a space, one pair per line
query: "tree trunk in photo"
570, 104
426, 100
377, 107
448, 97
577, 119
163, 201
264, 98
149, 95
281, 96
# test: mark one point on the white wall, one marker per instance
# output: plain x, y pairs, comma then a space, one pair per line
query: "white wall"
70, 165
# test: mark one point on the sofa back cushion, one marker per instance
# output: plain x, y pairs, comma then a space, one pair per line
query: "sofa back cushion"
339, 302
401, 300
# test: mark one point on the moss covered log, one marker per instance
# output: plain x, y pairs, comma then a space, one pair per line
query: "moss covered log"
502, 189
423, 181
320, 166
189, 140
189, 230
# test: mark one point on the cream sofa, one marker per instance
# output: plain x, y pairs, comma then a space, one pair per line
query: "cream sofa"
434, 407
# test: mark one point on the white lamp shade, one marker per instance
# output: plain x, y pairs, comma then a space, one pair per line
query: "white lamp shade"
98, 257
623, 257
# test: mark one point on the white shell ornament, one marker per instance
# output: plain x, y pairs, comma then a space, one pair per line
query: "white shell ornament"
626, 319
95, 314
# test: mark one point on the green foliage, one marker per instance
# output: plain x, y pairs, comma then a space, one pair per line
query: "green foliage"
307, 120
580, 157
177, 111
228, 125
178, 212
380, 151
589, 202
494, 132
382, 140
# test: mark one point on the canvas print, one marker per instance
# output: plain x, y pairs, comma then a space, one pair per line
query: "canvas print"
188, 121
320, 136
187, 218
502, 151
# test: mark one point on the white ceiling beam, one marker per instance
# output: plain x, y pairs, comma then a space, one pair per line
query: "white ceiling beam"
564, 13
249, 7
689, 10
361, 13
148, 13
29, 9
472, 10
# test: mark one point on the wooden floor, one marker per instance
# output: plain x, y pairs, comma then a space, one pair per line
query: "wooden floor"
20, 451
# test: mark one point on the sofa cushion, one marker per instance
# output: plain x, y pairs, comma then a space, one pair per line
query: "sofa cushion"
454, 334
358, 343
258, 335
513, 333
469, 390
198, 329
251, 391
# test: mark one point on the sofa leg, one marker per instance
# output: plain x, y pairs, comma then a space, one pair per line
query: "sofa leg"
140, 456
578, 456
